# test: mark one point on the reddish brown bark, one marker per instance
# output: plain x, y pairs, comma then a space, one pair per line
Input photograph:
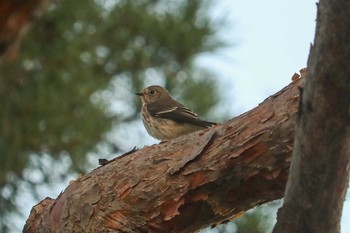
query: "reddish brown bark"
321, 160
185, 184
15, 18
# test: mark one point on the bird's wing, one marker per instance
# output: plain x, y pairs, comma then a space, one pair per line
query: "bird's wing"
180, 110
178, 113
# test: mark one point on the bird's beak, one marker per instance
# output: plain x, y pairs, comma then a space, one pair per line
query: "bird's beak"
139, 94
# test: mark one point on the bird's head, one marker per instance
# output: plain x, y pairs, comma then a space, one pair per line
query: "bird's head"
153, 93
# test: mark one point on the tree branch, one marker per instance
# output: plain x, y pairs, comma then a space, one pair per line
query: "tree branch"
186, 184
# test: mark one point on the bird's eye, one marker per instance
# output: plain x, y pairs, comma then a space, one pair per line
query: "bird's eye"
152, 92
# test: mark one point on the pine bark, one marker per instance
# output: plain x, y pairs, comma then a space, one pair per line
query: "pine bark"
321, 159
186, 184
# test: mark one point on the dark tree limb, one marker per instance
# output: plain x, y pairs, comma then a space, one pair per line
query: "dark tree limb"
185, 184
321, 159
15, 18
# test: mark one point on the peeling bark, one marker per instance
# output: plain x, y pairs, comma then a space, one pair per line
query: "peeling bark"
186, 184
321, 159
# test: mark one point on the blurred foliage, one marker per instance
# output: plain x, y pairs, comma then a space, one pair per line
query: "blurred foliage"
74, 81
258, 220
56, 98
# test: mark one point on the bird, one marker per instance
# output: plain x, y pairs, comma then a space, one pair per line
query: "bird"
164, 118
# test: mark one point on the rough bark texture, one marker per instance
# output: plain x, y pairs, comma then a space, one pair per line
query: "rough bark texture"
15, 18
320, 167
185, 184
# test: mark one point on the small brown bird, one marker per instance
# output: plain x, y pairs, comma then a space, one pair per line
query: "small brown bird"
164, 118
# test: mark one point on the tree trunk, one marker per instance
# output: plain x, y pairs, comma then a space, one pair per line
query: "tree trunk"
320, 168
186, 184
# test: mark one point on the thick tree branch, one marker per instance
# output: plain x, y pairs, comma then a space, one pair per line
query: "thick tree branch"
185, 184
321, 159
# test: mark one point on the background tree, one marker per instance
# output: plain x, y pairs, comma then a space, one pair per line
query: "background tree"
56, 97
